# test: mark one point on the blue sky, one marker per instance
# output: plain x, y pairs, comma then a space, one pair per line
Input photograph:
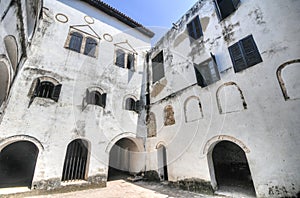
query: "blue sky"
157, 15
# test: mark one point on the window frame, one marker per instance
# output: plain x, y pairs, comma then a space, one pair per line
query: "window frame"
126, 54
134, 104
192, 27
242, 55
92, 49
235, 4
35, 90
84, 43
74, 34
87, 100
153, 66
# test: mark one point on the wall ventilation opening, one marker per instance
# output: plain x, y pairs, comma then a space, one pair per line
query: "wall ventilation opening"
17, 164
231, 168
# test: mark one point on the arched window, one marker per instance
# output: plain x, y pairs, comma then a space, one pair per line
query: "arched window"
90, 47
76, 161
75, 41
132, 104
169, 115
95, 98
120, 58
192, 109
45, 89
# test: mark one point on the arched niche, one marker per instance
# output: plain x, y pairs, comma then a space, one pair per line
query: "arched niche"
288, 78
192, 109
4, 80
151, 125
12, 50
230, 98
169, 118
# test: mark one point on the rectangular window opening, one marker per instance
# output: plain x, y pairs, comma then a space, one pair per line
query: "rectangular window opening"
158, 71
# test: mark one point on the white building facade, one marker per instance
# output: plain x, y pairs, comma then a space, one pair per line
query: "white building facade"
77, 94
214, 104
224, 98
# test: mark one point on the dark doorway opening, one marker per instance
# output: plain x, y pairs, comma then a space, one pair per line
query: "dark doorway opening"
17, 164
120, 159
162, 163
75, 161
231, 168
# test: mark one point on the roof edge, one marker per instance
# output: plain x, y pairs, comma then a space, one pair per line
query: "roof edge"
120, 16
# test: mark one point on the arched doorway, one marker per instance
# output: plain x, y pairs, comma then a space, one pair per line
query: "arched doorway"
231, 168
4, 81
17, 164
75, 165
123, 159
162, 162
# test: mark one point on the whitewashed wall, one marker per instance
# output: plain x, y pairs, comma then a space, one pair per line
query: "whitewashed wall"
269, 127
56, 124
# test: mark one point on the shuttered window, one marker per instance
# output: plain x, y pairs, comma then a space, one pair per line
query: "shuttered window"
158, 71
75, 41
244, 54
195, 29
90, 47
225, 7
132, 105
130, 61
120, 58
96, 98
45, 89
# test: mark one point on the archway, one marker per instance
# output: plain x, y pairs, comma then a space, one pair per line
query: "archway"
123, 159
4, 81
162, 162
17, 164
231, 168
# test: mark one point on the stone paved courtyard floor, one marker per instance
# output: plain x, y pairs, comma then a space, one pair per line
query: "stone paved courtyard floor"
121, 188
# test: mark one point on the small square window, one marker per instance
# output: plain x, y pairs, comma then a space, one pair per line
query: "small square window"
244, 54
195, 29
